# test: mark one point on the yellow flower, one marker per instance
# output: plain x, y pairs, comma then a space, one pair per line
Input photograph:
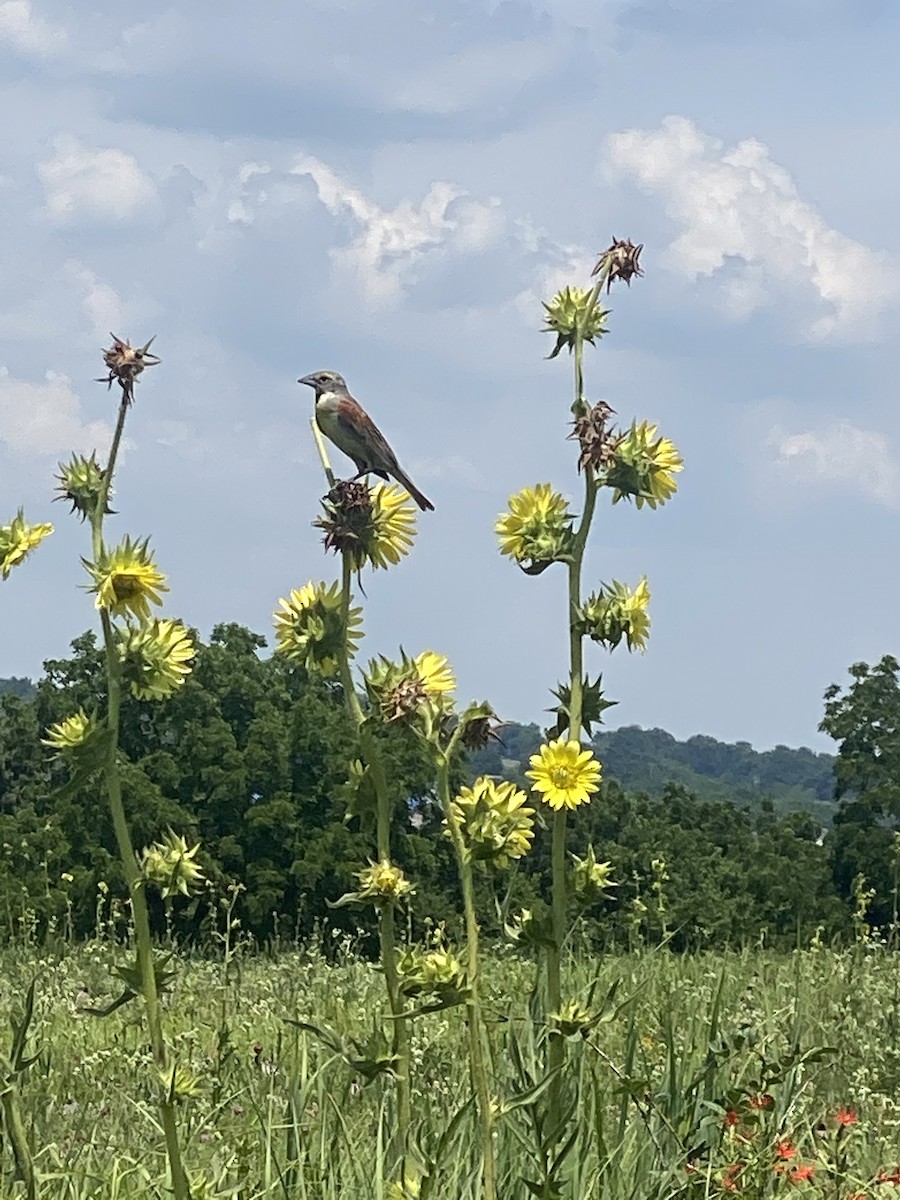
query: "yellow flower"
402, 689
644, 469
171, 865
180, 1084
17, 540
68, 735
156, 658
564, 774
383, 883
127, 579
616, 612
309, 628
495, 824
374, 525
537, 527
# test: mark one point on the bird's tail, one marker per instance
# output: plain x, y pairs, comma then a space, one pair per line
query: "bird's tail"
423, 502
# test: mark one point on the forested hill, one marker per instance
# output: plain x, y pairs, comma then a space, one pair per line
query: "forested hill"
645, 760
23, 688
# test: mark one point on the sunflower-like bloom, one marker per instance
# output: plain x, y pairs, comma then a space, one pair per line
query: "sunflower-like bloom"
564, 774
644, 467
437, 973
375, 525
127, 579
309, 628
618, 611
69, 736
494, 820
80, 482
572, 310
383, 883
156, 658
17, 540
401, 690
538, 526
171, 865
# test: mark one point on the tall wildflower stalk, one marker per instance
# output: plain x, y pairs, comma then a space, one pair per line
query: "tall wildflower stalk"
540, 529
318, 627
148, 658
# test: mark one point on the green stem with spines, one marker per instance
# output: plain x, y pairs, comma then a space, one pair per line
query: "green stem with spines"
474, 1019
131, 871
387, 935
556, 1044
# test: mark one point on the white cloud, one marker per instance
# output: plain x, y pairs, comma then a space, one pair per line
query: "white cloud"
391, 243
100, 301
738, 208
103, 184
28, 33
45, 418
840, 453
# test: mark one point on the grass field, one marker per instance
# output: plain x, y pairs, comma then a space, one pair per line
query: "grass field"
698, 1078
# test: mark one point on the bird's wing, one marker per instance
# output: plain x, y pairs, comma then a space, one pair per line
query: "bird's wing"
376, 449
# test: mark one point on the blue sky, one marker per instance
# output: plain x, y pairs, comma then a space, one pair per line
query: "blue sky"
390, 191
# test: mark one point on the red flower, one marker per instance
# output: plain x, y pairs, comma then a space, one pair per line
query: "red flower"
731, 1119
729, 1179
802, 1172
763, 1101
786, 1150
846, 1116
888, 1177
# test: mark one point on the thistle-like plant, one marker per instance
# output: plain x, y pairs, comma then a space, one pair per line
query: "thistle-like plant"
540, 529
147, 657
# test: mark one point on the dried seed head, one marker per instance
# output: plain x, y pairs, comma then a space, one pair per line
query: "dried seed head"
125, 363
596, 439
621, 261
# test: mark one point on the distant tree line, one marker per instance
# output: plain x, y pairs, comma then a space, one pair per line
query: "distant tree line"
711, 844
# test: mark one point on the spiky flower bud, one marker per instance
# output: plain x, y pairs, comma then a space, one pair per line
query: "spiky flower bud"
81, 482
479, 726
574, 1020
125, 363
17, 540
619, 261
591, 880
572, 312
617, 611
494, 822
171, 865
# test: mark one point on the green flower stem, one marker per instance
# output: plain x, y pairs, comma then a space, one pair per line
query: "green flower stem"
474, 1018
556, 1045
14, 1128
136, 894
386, 925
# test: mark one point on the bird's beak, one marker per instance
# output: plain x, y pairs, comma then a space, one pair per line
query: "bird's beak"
309, 380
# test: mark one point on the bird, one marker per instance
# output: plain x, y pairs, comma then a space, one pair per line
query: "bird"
349, 426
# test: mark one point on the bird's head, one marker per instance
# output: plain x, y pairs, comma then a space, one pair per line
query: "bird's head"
324, 381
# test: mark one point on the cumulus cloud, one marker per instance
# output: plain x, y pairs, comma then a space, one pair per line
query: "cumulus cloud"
840, 454
389, 244
105, 184
100, 301
45, 418
28, 33
739, 209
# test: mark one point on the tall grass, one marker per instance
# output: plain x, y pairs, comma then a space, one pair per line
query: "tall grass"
695, 1072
